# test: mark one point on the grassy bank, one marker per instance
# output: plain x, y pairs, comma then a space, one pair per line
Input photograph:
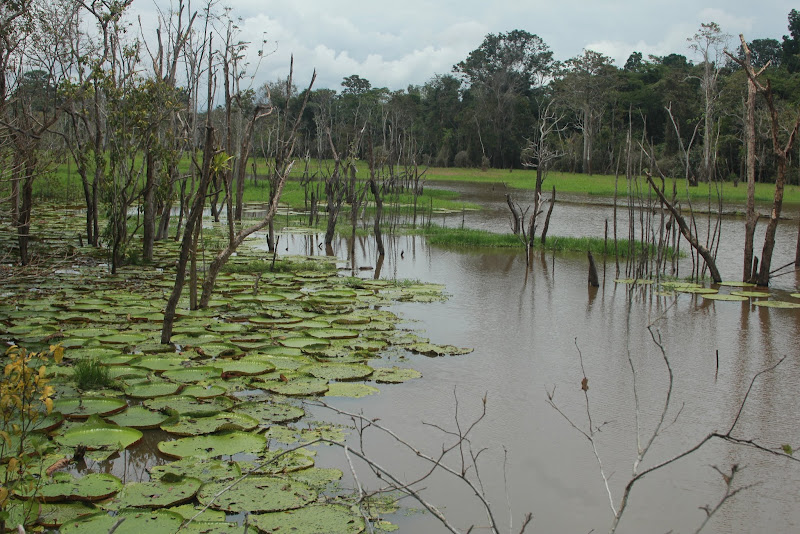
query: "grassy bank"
63, 184
603, 185
468, 238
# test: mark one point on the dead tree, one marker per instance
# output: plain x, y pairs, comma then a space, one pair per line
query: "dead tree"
781, 152
704, 252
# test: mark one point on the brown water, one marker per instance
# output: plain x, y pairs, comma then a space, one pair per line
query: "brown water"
527, 326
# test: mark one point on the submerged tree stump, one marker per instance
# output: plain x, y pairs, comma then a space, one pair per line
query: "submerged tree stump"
593, 280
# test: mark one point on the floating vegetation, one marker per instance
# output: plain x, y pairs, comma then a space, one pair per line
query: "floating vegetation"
223, 389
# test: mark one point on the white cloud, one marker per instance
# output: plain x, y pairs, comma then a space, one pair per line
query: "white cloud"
395, 44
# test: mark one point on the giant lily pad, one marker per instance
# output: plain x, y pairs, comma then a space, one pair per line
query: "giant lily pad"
216, 527
214, 445
257, 494
56, 514
268, 413
280, 461
191, 406
204, 391
139, 417
195, 426
97, 434
192, 374
311, 520
751, 294
353, 390
132, 522
431, 349
723, 296
64, 487
158, 493
298, 387
394, 375
83, 407
245, 366
151, 389
337, 371
207, 470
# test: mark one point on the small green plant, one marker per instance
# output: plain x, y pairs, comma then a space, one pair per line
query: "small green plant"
25, 399
90, 374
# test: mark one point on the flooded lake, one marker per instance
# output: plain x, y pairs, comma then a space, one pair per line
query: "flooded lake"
527, 325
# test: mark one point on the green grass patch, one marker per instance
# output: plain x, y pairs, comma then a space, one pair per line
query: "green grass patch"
465, 237
90, 374
603, 185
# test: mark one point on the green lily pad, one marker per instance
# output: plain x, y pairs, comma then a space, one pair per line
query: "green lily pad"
782, 304
54, 515
317, 477
257, 494
278, 462
97, 434
83, 407
353, 390
268, 413
215, 350
734, 283
431, 349
298, 387
188, 511
191, 406
337, 371
204, 391
214, 445
195, 426
332, 333
697, 290
311, 520
245, 367
207, 470
304, 342
795, 295
751, 294
192, 374
216, 527
151, 389
394, 375
160, 362
64, 487
158, 493
139, 417
722, 296
133, 522
123, 339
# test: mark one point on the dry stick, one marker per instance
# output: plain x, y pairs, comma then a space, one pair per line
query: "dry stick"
725, 437
436, 463
728, 494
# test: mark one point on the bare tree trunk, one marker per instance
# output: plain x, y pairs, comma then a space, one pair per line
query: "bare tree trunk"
751, 216
547, 217
516, 216
149, 229
193, 220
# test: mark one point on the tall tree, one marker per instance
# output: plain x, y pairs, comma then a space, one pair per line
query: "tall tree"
710, 42
585, 85
500, 74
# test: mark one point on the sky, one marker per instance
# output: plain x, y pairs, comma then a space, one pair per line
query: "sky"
397, 43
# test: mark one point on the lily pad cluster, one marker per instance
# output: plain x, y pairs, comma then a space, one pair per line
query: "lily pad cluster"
219, 405
730, 291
